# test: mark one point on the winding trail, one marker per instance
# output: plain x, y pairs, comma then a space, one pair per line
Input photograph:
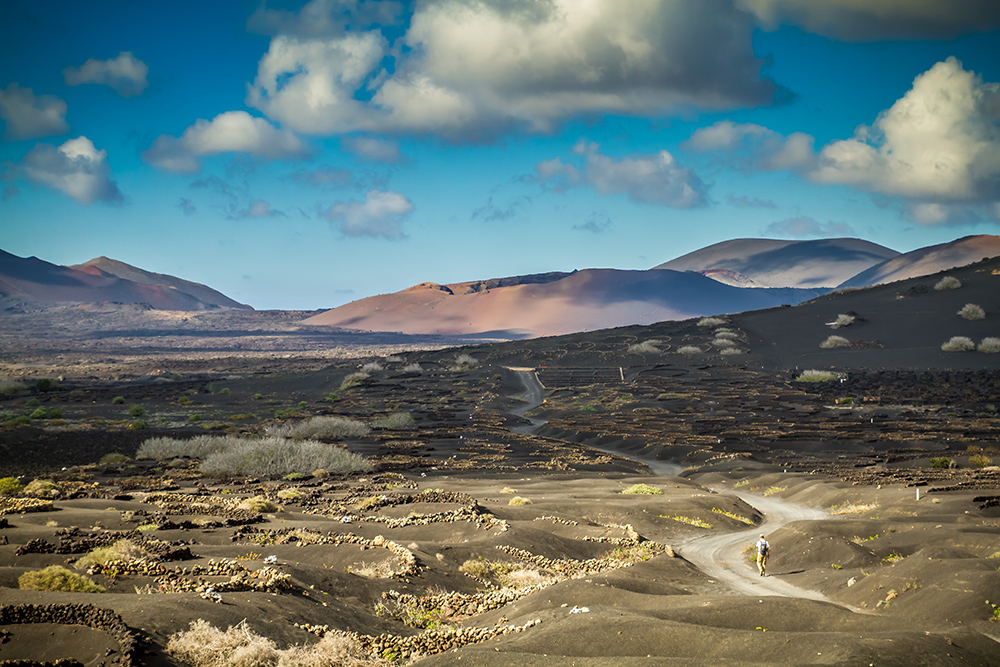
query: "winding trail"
716, 554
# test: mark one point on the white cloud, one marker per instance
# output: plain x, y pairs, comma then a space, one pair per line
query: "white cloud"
229, 132
380, 214
126, 74
869, 20
804, 226
939, 143
76, 168
309, 85
28, 116
649, 179
471, 70
258, 209
754, 146
374, 150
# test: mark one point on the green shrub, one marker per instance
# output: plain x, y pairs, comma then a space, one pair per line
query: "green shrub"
19, 420
120, 550
55, 413
275, 457
225, 391
113, 459
194, 417
118, 400
138, 425
136, 411
817, 376
353, 380
971, 311
32, 403
980, 461
958, 344
834, 341
175, 376
948, 282
39, 413
10, 486
258, 397
643, 490
332, 397
57, 578
322, 427
990, 345
940, 462
184, 400
45, 384
395, 421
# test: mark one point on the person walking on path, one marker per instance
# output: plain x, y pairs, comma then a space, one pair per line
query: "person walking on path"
763, 551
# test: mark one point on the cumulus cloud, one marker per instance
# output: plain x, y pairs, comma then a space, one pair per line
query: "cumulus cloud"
380, 214
374, 150
75, 168
752, 146
805, 227
868, 20
29, 116
126, 74
458, 76
232, 131
648, 179
744, 201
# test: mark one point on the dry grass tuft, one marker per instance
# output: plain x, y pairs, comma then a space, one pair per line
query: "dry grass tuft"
948, 282
851, 507
643, 490
518, 500
57, 578
971, 311
834, 342
989, 345
958, 344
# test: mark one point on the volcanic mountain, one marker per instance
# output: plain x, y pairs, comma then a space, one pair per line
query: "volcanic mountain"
554, 303
775, 263
32, 282
925, 261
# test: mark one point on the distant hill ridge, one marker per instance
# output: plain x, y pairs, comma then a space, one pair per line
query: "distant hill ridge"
32, 283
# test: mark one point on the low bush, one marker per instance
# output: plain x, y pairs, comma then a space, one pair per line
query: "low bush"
322, 427
948, 282
971, 311
834, 342
275, 457
940, 462
817, 376
353, 380
711, 322
41, 488
57, 578
727, 334
518, 501
10, 486
206, 646
464, 362
113, 459
395, 421
413, 368
645, 347
138, 425
259, 504
118, 400
729, 351
46, 384
723, 343
843, 320
643, 490
372, 367
121, 550
136, 411
11, 387
990, 345
198, 447
980, 461
477, 569
958, 344
39, 413
689, 349
225, 391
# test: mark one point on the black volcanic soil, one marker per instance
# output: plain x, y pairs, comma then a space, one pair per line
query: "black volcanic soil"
906, 581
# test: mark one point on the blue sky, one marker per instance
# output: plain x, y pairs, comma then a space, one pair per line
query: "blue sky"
303, 155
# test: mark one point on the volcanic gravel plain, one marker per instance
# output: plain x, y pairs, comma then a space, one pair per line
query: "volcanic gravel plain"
492, 527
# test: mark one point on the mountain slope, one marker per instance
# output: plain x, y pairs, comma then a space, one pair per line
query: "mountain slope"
561, 303
776, 263
36, 283
925, 261
125, 271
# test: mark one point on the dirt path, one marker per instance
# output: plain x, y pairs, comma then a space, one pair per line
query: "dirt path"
717, 555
